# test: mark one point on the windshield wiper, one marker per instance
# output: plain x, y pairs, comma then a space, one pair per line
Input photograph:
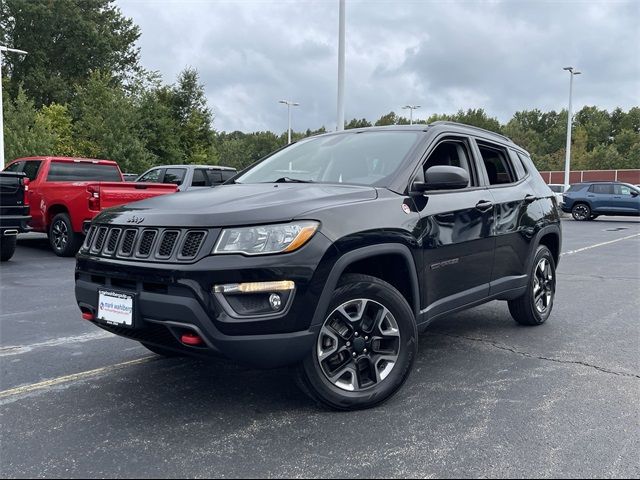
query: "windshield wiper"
291, 180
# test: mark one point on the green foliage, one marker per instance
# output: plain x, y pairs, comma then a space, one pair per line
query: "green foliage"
57, 121
107, 124
66, 41
23, 136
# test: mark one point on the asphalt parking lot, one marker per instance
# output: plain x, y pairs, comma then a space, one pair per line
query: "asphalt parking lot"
487, 398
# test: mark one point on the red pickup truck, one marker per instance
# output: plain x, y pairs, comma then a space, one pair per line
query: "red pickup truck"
66, 193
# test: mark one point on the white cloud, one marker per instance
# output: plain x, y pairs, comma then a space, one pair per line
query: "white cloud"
500, 55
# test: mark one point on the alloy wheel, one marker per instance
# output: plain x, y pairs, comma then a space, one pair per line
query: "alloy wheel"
543, 285
358, 345
581, 212
60, 235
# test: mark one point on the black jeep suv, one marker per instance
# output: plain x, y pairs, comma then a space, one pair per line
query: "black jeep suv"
330, 255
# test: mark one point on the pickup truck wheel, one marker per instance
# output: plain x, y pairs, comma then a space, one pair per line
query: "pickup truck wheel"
63, 240
365, 348
581, 212
7, 247
534, 307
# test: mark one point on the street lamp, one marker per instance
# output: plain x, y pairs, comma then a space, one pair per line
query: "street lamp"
289, 104
4, 49
411, 109
341, 34
567, 159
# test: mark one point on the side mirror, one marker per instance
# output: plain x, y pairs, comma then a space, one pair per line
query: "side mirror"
634, 193
443, 177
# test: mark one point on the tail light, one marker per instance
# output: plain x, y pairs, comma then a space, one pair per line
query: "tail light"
94, 198
25, 182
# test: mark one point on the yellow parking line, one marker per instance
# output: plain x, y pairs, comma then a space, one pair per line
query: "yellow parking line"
71, 378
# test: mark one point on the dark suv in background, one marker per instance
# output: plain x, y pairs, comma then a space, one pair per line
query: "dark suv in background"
589, 200
330, 255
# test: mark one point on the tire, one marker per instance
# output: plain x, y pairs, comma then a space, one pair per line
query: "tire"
63, 240
7, 247
534, 307
163, 352
361, 356
581, 212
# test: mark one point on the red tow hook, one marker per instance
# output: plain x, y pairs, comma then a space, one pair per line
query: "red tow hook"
87, 316
191, 339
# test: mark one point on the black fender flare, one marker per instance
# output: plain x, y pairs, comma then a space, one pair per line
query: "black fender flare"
554, 229
359, 254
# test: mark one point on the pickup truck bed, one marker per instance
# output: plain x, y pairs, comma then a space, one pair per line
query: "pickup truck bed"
66, 193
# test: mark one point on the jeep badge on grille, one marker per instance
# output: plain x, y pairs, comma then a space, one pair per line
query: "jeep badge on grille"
136, 220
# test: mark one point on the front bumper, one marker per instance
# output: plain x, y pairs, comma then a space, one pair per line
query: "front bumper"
170, 300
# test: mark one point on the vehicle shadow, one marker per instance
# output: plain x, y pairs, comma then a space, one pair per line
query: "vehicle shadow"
35, 242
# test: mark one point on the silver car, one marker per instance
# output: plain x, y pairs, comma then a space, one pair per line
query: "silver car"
188, 177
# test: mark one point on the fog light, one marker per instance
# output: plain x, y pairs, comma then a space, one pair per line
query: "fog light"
255, 287
275, 301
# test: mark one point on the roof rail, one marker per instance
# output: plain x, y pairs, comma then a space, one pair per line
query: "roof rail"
458, 124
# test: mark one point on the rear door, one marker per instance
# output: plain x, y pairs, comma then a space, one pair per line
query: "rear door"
600, 196
515, 213
455, 232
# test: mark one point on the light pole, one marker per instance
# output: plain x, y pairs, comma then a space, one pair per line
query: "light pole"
567, 158
341, 29
411, 109
4, 49
289, 104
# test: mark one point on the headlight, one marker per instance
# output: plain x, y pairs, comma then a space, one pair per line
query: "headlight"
266, 239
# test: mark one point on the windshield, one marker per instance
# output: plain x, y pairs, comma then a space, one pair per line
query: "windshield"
364, 158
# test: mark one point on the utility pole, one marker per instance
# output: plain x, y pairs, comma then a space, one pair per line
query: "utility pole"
21, 52
289, 104
341, 33
567, 158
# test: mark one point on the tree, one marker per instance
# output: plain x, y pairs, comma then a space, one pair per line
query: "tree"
107, 124
194, 117
24, 137
355, 123
57, 121
66, 41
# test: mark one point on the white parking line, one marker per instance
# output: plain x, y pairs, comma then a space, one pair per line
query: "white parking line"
87, 337
46, 384
571, 252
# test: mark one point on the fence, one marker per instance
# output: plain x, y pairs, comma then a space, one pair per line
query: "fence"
627, 176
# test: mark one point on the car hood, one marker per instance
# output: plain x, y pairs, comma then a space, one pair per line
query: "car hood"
236, 204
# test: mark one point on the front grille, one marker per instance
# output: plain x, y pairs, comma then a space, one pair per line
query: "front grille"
168, 242
192, 244
126, 248
99, 241
146, 242
89, 237
112, 242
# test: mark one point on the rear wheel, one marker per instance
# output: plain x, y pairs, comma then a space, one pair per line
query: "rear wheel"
365, 348
581, 212
534, 307
7, 247
63, 240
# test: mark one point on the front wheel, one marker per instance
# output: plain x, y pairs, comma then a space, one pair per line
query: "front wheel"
581, 212
365, 348
534, 306
7, 247
63, 240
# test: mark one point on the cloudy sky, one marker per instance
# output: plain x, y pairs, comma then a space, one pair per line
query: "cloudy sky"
502, 56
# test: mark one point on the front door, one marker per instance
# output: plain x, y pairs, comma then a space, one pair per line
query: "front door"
455, 231
624, 201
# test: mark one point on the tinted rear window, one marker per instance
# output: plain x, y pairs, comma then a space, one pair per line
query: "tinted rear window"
81, 172
605, 189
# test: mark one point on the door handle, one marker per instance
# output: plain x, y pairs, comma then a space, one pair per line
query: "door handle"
529, 199
484, 205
